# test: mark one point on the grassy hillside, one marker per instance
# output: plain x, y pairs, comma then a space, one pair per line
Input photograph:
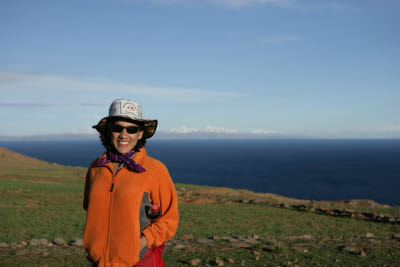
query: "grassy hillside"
217, 226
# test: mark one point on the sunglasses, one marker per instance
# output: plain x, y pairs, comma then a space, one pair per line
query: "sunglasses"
116, 128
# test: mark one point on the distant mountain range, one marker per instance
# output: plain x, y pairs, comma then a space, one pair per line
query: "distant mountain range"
159, 135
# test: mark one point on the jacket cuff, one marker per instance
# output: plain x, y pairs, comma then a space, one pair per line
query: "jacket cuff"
149, 236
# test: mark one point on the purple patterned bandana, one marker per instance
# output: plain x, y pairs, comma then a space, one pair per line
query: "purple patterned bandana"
125, 159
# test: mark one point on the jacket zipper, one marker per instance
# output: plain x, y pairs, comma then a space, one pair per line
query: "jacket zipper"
110, 201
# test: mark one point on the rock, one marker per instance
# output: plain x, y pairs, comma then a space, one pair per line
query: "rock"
231, 240
241, 245
396, 236
214, 237
4, 245
58, 241
250, 240
14, 245
351, 249
204, 240
372, 204
187, 237
219, 262
369, 235
299, 249
23, 244
194, 262
255, 237
35, 242
307, 237
76, 242
43, 241
22, 252
299, 207
363, 254
256, 253
230, 260
389, 219
180, 246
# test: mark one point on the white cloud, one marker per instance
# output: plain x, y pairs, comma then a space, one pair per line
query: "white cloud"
214, 129
218, 129
184, 129
258, 131
208, 129
281, 39
19, 84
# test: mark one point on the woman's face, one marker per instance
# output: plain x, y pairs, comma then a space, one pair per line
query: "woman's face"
123, 141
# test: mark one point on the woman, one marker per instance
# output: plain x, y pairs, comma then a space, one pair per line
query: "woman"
121, 186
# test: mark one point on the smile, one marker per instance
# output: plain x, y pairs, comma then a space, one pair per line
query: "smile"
123, 143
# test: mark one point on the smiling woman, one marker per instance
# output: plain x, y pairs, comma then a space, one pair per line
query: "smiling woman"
123, 186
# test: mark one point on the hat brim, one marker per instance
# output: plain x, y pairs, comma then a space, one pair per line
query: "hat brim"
149, 129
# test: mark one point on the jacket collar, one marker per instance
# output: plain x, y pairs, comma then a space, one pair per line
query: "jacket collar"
138, 158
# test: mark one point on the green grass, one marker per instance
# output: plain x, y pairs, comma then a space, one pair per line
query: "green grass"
44, 200
204, 220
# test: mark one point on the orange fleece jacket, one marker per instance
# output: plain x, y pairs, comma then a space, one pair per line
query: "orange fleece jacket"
112, 230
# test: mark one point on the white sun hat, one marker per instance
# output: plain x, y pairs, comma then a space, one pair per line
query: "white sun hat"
127, 109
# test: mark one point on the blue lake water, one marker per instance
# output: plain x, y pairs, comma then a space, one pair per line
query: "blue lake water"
306, 169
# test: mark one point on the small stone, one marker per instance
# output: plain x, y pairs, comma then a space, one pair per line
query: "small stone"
351, 249
76, 242
14, 245
256, 253
58, 241
369, 235
22, 252
4, 245
35, 242
45, 254
396, 236
257, 258
241, 245
215, 237
50, 244
256, 237
204, 240
43, 241
23, 244
194, 262
219, 262
179, 246
307, 237
363, 254
187, 237
230, 260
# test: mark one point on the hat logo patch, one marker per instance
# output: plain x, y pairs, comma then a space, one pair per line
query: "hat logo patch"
129, 109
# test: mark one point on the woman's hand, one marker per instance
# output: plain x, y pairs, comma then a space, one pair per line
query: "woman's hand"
143, 242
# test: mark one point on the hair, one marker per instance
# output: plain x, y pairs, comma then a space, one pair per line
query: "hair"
106, 134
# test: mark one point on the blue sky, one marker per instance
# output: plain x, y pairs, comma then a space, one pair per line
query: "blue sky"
310, 68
